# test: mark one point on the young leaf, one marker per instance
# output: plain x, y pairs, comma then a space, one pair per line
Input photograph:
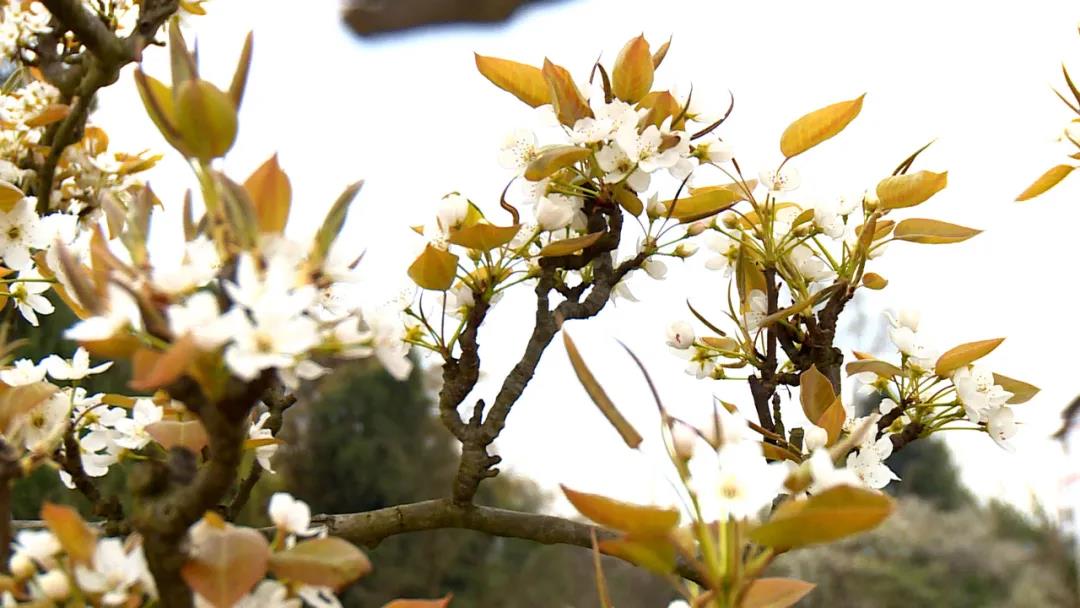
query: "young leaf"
441, 603
910, 189
881, 368
484, 236
816, 393
434, 269
643, 521
569, 246
188, 434
51, 113
875, 281
240, 76
17, 401
323, 562
157, 98
161, 369
632, 76
629, 200
525, 82
775, 592
1045, 182
271, 192
701, 204
9, 195
599, 396
962, 355
226, 563
818, 126
654, 554
76, 537
335, 219
205, 119
569, 104
553, 160
831, 515
658, 56
1022, 391
918, 230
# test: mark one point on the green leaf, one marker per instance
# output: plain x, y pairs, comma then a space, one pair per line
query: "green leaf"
818, 126
205, 119
933, 232
826, 517
965, 354
599, 396
322, 562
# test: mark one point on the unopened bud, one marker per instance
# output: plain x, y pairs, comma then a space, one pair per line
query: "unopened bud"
21, 566
697, 228
871, 201
685, 250
54, 584
814, 437
683, 439
729, 220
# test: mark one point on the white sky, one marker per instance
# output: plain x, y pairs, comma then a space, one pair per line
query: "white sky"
411, 116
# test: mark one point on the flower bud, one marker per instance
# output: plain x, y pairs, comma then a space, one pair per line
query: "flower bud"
685, 250
683, 439
730, 221
54, 584
698, 227
21, 566
871, 200
680, 335
814, 437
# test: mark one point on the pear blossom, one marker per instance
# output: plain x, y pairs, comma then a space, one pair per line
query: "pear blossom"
680, 335
824, 474
267, 594
735, 482
199, 264
557, 211
26, 292
304, 370
517, 150
21, 231
887, 405
727, 250
112, 572
41, 546
121, 311
869, 462
75, 369
319, 597
201, 318
618, 166
814, 437
55, 585
679, 604
644, 149
784, 180
655, 268
275, 339
808, 264
133, 433
829, 220
1001, 425
713, 150
24, 372
451, 212
757, 310
45, 421
263, 453
978, 392
290, 515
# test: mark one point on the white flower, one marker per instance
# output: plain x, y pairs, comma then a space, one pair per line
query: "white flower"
26, 292
618, 166
808, 264
680, 335
828, 219
290, 515
132, 431
869, 463
274, 340
451, 212
20, 231
268, 594
557, 211
121, 311
319, 597
907, 317
645, 148
726, 248
780, 181
305, 370
655, 268
200, 317
199, 265
735, 482
978, 393
113, 571
887, 405
54, 584
757, 310
387, 338
1001, 425
825, 475
76, 369
712, 150
25, 372
263, 453
39, 545
814, 437
46, 421
21, 566
517, 150
679, 604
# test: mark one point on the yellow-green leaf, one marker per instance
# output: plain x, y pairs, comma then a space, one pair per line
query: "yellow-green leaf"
910, 189
484, 236
701, 204
632, 76
240, 75
76, 537
962, 355
49, 114
818, 126
643, 521
653, 554
205, 118
570, 105
775, 592
629, 201
271, 192
599, 396
1045, 182
1022, 391
569, 246
9, 195
875, 281
525, 82
554, 159
831, 515
933, 232
322, 562
334, 221
434, 269
881, 368
157, 98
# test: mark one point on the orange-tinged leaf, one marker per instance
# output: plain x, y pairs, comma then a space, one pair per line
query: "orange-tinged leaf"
932, 232
701, 205
190, 434
661, 105
322, 562
271, 193
120, 346
640, 520
818, 126
205, 119
660, 54
523, 81
836, 513
440, 603
629, 201
654, 554
910, 189
51, 113
569, 246
816, 394
875, 281
484, 236
775, 593
1046, 181
965, 354
251, 444
434, 269
552, 160
632, 76
599, 396
570, 105
9, 195
881, 368
154, 372
76, 537
1022, 391
226, 563
832, 420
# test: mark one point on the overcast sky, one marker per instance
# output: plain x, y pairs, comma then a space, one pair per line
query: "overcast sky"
410, 115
